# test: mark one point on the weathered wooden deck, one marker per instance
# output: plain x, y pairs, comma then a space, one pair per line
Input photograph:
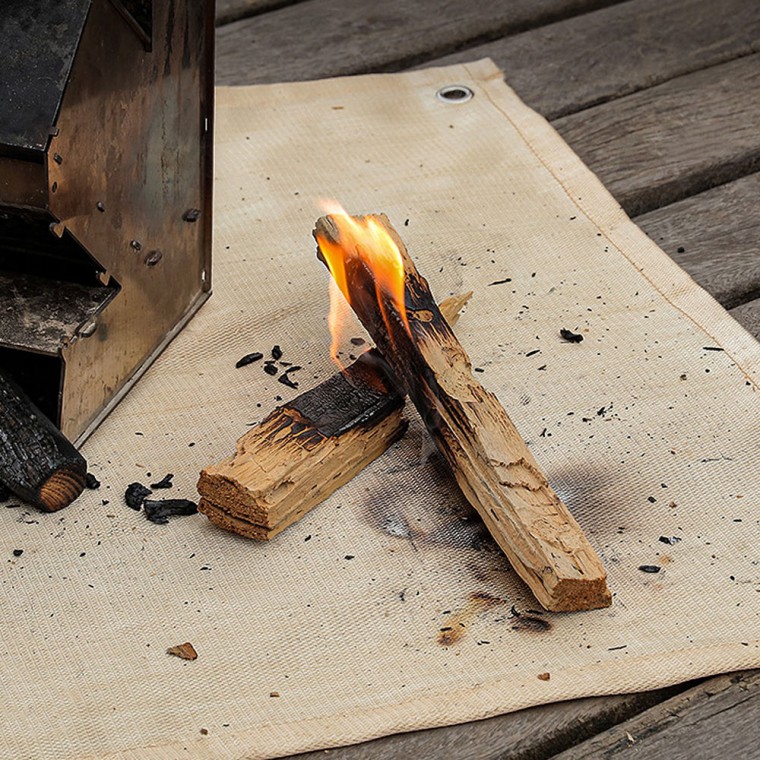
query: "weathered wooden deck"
661, 98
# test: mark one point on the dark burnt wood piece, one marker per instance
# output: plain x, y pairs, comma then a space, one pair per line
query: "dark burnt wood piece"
37, 462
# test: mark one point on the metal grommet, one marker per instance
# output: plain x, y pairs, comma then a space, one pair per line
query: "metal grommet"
455, 93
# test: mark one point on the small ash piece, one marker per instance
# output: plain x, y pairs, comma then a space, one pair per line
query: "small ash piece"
184, 651
5, 492
570, 336
18, 552
90, 481
135, 495
270, 369
165, 482
670, 540
358, 341
159, 511
243, 361
649, 568
712, 348
276, 352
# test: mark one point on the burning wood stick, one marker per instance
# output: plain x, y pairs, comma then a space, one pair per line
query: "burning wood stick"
306, 449
37, 462
491, 462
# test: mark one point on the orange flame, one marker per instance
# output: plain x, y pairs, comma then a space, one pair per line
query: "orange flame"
368, 240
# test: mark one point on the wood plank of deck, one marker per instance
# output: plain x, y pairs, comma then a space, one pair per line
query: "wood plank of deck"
718, 718
671, 141
748, 316
532, 733
715, 237
228, 11
582, 61
335, 37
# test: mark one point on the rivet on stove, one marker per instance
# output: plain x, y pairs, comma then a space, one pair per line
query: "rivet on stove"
100, 206
135, 245
87, 329
153, 258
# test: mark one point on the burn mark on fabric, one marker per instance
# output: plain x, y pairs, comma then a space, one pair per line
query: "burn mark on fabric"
530, 624
530, 621
455, 626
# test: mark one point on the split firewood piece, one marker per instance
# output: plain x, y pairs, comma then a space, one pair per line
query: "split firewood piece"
306, 449
490, 460
37, 462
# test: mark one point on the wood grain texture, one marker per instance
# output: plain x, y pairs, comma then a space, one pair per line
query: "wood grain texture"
585, 60
666, 143
303, 451
715, 237
228, 11
491, 462
285, 466
748, 316
531, 734
717, 719
325, 38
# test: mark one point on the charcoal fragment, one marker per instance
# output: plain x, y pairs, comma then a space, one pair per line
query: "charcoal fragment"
570, 336
165, 482
285, 380
270, 369
358, 341
649, 568
135, 495
276, 352
18, 552
248, 359
160, 510
501, 282
670, 540
90, 481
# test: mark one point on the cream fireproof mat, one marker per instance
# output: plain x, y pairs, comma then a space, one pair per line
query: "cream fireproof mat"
332, 633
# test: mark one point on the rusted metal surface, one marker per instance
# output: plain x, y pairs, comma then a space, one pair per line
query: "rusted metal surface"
44, 316
39, 41
123, 188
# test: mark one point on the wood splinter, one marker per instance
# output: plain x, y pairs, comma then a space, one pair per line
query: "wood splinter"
490, 460
307, 448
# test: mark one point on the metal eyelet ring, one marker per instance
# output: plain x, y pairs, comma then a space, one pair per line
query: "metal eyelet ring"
455, 93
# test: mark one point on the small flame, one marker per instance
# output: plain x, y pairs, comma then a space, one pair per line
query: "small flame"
371, 242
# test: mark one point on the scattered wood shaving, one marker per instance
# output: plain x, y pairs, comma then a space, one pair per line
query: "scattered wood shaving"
544, 676
184, 651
